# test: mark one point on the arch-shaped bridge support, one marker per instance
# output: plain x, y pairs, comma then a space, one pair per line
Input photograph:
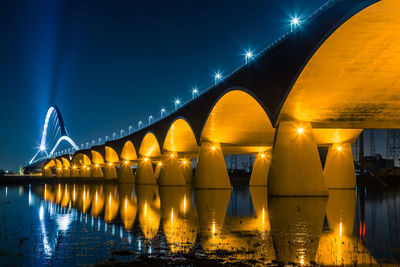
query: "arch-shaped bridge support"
211, 171
339, 172
296, 167
125, 173
144, 172
259, 174
171, 172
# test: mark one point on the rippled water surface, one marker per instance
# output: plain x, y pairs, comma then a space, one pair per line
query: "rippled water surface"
71, 224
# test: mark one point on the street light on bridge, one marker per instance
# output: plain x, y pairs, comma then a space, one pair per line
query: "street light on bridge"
248, 55
217, 77
139, 123
194, 92
162, 111
177, 102
150, 118
130, 129
294, 23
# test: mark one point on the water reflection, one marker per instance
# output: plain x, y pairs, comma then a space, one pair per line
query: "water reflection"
169, 220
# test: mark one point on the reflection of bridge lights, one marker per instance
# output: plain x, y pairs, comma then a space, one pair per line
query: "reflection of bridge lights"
302, 259
300, 130
340, 229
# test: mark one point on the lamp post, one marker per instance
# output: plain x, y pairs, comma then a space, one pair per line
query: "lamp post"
294, 23
217, 77
248, 56
130, 129
162, 111
194, 92
177, 102
139, 123
150, 117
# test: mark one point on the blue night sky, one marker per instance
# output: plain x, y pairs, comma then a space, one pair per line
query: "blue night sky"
109, 64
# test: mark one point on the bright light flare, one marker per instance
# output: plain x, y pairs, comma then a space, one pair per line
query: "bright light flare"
300, 130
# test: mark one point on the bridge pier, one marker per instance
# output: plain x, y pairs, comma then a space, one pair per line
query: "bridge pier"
97, 172
295, 167
144, 172
171, 172
110, 172
59, 172
187, 171
46, 172
125, 173
339, 172
211, 171
66, 172
74, 172
259, 174
85, 172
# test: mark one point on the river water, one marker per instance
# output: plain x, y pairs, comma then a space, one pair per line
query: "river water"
78, 225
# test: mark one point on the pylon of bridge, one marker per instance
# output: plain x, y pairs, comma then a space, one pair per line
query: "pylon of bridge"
97, 172
171, 172
211, 171
144, 172
259, 174
339, 172
85, 171
295, 167
187, 171
46, 172
125, 173
110, 172
66, 172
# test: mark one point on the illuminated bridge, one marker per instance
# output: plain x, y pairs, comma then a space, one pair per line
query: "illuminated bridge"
319, 86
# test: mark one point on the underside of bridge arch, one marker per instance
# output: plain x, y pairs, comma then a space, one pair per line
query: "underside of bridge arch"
129, 151
180, 138
111, 155
97, 158
149, 146
353, 80
239, 123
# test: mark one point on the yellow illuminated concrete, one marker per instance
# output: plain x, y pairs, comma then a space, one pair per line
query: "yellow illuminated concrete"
66, 196
296, 167
296, 226
148, 209
259, 174
187, 170
238, 119
128, 152
46, 172
171, 171
59, 168
339, 169
81, 159
149, 146
66, 169
111, 155
125, 173
144, 172
110, 172
180, 138
97, 171
128, 204
97, 158
259, 198
325, 137
85, 171
211, 170
353, 79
